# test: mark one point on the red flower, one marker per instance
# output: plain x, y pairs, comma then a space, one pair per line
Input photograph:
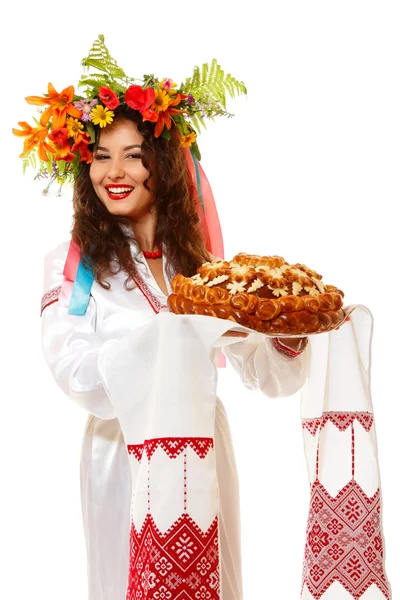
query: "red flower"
150, 115
139, 99
108, 97
67, 157
59, 136
81, 146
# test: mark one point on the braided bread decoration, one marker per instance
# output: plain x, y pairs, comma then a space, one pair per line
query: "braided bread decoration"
264, 293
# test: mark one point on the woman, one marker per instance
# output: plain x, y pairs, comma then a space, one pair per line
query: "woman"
160, 497
134, 201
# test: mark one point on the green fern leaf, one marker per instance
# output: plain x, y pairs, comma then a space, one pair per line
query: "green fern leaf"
198, 122
213, 84
112, 75
97, 63
32, 160
119, 88
201, 120
90, 82
196, 126
213, 68
230, 87
204, 73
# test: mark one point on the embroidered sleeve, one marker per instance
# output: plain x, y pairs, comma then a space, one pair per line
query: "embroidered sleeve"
50, 297
262, 367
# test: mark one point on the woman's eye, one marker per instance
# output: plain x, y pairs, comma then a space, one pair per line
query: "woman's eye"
102, 156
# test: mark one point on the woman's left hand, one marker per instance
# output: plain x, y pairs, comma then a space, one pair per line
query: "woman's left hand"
346, 319
235, 334
294, 343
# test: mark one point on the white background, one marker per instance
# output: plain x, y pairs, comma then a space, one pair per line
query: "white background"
308, 169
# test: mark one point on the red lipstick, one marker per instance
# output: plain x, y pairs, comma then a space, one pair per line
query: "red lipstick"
115, 194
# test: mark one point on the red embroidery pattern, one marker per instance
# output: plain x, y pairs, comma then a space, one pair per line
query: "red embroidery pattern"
185, 482
285, 350
342, 420
344, 537
147, 293
344, 541
182, 563
50, 297
172, 446
136, 450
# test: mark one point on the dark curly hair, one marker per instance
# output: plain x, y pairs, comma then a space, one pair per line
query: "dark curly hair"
102, 237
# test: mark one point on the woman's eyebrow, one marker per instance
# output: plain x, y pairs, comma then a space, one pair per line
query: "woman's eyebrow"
126, 147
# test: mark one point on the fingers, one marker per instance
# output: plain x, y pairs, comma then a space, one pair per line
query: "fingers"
339, 326
235, 334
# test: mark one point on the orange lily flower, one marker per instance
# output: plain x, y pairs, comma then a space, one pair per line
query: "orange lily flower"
35, 136
60, 106
164, 117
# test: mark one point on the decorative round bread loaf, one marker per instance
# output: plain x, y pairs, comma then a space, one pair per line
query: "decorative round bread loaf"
264, 293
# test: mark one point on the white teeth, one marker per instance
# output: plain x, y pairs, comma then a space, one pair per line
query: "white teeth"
119, 190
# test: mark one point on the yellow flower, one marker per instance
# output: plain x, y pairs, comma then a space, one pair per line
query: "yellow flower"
101, 115
74, 127
161, 100
188, 140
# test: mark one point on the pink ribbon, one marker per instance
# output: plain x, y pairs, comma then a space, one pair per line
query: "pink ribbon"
208, 215
207, 209
70, 270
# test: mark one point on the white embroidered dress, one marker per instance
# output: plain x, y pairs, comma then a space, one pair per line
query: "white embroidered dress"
72, 347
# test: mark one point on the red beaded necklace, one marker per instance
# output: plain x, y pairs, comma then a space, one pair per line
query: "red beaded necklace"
157, 254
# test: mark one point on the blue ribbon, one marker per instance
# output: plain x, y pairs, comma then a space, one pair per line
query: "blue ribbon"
81, 289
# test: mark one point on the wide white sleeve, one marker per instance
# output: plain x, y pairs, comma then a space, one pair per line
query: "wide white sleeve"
70, 344
262, 367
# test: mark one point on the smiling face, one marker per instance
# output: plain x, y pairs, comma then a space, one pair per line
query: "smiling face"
117, 172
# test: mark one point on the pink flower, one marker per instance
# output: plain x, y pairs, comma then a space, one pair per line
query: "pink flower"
85, 106
167, 84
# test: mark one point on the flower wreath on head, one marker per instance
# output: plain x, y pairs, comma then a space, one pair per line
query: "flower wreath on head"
71, 123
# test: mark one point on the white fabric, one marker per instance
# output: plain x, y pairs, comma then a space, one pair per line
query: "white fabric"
336, 402
107, 345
